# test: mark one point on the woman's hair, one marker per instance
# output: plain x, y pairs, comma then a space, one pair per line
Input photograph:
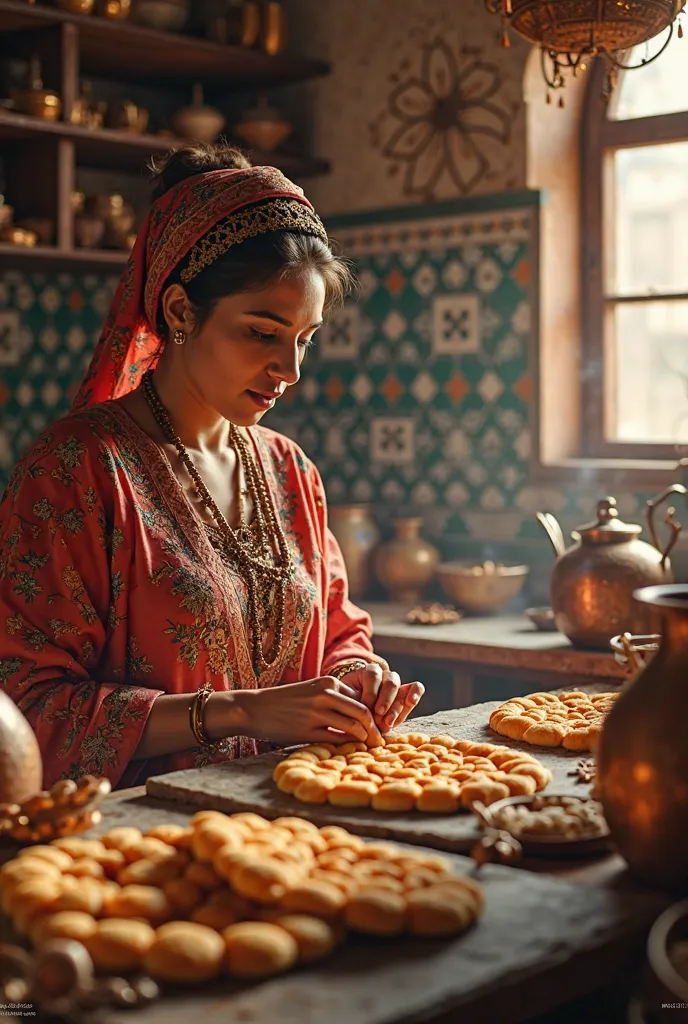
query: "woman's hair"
252, 264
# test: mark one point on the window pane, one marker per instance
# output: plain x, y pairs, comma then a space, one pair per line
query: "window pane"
648, 372
657, 88
650, 220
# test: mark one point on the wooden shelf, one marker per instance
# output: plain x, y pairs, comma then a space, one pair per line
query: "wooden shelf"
45, 257
125, 51
128, 151
41, 158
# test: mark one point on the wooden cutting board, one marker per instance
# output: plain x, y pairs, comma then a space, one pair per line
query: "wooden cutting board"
247, 785
539, 944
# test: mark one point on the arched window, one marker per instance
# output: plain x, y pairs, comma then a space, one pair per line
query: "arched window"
635, 260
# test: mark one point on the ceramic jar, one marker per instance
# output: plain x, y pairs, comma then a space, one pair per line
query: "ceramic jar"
642, 758
407, 563
21, 767
357, 536
198, 122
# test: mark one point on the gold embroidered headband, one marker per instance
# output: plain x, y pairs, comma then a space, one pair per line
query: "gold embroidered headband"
280, 214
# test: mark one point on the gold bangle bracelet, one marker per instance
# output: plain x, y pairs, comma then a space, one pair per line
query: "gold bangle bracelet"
196, 715
348, 666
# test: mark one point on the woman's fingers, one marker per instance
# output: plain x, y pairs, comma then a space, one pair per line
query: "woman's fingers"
353, 709
408, 697
370, 680
348, 728
336, 685
389, 688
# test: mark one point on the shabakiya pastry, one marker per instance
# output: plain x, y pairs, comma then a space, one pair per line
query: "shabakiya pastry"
229, 894
572, 720
435, 774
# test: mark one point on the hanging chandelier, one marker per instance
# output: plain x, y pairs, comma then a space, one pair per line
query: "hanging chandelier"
570, 33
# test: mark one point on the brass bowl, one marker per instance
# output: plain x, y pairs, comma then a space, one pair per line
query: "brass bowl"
482, 589
19, 236
39, 103
42, 227
547, 846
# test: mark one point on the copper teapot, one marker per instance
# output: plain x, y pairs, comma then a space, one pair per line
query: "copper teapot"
593, 581
642, 754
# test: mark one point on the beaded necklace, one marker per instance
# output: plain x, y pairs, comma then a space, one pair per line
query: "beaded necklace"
266, 577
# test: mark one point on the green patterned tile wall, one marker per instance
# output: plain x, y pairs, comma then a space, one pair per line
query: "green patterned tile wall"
48, 326
416, 397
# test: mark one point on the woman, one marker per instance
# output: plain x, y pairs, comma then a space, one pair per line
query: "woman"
170, 593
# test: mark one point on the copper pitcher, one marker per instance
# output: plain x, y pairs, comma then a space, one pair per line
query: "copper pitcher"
642, 757
593, 581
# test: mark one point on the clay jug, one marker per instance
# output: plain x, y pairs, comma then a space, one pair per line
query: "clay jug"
21, 767
357, 536
407, 563
642, 759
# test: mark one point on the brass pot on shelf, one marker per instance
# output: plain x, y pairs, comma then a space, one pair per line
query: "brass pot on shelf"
127, 116
593, 581
76, 6
163, 15
86, 111
239, 25
264, 128
42, 227
119, 222
198, 121
88, 231
35, 100
273, 27
114, 10
642, 756
19, 236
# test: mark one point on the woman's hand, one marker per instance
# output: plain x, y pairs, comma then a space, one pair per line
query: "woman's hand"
318, 710
382, 690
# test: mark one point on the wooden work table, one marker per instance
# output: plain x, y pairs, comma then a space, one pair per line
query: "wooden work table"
507, 646
560, 941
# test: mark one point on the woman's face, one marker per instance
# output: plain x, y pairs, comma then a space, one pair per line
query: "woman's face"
250, 349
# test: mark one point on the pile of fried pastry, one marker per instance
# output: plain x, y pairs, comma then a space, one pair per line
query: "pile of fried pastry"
572, 720
236, 894
433, 774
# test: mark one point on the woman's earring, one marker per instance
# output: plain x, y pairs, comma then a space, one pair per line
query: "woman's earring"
179, 338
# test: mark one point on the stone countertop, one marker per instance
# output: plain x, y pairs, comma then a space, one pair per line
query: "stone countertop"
507, 642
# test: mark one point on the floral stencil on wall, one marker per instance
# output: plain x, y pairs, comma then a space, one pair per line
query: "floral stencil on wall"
439, 115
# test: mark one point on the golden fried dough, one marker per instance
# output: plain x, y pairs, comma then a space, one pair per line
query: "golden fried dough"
416, 772
185, 952
256, 949
119, 945
572, 720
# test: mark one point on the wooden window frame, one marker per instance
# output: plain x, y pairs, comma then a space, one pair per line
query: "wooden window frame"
601, 137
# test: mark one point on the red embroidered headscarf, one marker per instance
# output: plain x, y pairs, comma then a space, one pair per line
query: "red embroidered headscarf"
194, 222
